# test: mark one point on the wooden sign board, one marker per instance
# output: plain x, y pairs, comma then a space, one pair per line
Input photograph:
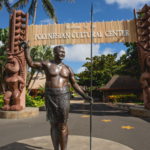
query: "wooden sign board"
80, 33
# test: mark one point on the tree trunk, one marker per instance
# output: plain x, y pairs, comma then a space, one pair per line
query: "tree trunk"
3, 86
33, 82
35, 8
30, 82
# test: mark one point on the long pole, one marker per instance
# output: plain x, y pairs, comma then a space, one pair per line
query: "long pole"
91, 76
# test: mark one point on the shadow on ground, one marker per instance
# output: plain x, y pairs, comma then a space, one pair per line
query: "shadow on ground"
101, 110
21, 146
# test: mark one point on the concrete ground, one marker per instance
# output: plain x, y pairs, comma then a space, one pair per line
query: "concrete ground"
113, 129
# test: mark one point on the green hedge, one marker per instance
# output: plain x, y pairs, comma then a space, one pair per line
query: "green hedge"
123, 98
34, 102
30, 101
1, 101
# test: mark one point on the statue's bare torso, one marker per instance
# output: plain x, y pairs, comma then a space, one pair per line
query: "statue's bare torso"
57, 75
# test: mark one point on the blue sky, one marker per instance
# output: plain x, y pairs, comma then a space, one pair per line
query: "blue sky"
79, 11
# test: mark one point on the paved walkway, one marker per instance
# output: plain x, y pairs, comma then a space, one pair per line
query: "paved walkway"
113, 129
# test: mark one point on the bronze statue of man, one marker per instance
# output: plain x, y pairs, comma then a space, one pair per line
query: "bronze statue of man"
57, 95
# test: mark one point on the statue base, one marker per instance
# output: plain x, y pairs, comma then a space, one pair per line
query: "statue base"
74, 143
25, 113
139, 112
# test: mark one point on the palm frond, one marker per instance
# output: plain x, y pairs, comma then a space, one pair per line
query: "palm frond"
31, 9
19, 5
1, 5
49, 9
7, 5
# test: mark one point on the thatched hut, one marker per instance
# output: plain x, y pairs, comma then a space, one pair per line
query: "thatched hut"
124, 85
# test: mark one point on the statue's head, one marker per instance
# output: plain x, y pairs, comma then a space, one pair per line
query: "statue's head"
59, 52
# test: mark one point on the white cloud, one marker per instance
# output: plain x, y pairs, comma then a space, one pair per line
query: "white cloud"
128, 3
108, 50
46, 21
80, 52
120, 54
96, 10
1, 44
80, 69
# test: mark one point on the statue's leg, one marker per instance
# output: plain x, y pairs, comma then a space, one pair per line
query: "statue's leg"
6, 99
55, 135
63, 135
16, 101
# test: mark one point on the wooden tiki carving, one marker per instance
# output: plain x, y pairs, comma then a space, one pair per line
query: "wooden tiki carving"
16, 64
143, 45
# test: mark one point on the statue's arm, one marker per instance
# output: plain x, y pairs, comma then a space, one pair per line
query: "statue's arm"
75, 85
23, 84
31, 63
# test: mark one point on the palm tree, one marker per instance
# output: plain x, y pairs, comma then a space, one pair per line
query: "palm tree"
47, 5
4, 3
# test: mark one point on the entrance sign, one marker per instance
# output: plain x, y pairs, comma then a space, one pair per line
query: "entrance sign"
80, 33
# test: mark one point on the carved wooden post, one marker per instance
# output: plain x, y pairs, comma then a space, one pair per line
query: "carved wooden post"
14, 97
143, 45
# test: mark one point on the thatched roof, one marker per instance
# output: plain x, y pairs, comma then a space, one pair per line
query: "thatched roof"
122, 82
39, 81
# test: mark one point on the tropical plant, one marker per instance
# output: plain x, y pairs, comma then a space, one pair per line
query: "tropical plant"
123, 98
47, 5
130, 61
4, 35
34, 102
4, 38
4, 3
104, 68
41, 89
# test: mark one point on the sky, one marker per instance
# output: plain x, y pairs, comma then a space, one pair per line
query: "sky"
78, 12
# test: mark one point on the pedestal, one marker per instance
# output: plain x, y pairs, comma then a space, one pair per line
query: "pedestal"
25, 113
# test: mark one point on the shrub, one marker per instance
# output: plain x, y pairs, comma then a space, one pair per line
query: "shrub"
122, 98
1, 101
34, 102
30, 101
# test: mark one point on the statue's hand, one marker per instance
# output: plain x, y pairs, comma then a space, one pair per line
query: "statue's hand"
89, 99
21, 88
24, 44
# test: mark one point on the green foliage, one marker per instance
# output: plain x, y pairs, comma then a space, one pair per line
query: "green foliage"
34, 102
104, 68
30, 101
41, 89
4, 3
3, 59
122, 98
4, 35
1, 101
130, 62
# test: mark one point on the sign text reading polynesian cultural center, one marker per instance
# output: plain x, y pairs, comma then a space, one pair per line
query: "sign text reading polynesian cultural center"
80, 33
